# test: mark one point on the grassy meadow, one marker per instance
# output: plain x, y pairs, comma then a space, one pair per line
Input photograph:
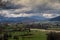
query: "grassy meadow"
33, 35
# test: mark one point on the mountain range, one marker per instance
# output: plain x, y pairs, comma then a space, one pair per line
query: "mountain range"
22, 19
27, 19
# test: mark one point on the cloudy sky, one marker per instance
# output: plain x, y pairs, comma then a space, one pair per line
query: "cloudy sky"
28, 8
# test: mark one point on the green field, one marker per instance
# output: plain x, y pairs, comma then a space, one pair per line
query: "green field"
33, 35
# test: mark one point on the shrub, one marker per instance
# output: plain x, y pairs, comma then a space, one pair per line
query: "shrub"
53, 36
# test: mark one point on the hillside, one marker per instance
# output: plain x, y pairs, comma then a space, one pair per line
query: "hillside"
55, 19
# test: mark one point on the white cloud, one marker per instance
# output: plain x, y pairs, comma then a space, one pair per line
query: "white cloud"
50, 15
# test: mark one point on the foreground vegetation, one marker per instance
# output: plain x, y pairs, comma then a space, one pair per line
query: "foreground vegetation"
21, 31
33, 35
25, 35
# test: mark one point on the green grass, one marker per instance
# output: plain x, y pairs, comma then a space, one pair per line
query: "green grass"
36, 35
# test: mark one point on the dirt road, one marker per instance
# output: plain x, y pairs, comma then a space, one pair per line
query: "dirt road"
45, 30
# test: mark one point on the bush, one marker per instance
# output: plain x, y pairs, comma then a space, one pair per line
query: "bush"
53, 36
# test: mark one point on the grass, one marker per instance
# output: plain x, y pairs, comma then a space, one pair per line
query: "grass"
36, 35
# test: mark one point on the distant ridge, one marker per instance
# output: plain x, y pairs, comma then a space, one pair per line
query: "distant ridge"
55, 19
22, 19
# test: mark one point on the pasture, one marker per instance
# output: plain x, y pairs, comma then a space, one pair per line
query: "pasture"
33, 35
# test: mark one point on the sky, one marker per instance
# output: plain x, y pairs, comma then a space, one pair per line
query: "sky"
28, 8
